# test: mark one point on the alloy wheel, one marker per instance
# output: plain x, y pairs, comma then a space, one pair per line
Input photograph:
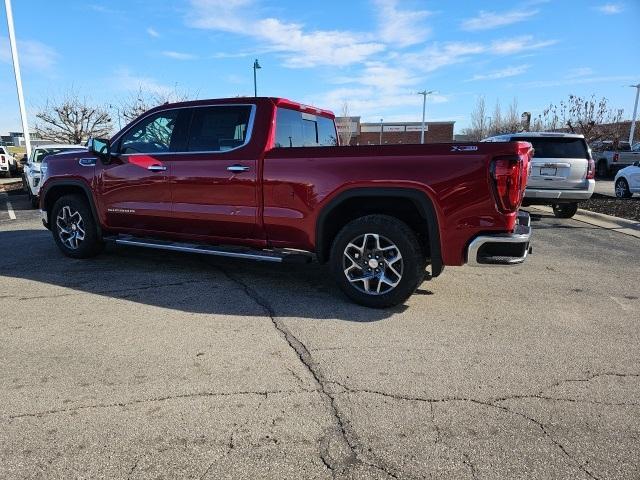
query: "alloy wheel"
70, 227
373, 264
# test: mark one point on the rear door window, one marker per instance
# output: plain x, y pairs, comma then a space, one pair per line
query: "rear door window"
219, 128
300, 129
554, 147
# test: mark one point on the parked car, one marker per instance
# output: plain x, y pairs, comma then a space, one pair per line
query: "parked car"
562, 170
8, 164
264, 179
31, 175
627, 181
612, 156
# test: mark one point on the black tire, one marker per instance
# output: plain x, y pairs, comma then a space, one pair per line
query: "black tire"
389, 231
35, 202
91, 243
603, 169
622, 189
565, 210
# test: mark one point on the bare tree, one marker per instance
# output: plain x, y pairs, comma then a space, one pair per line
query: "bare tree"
478, 129
141, 101
72, 120
592, 117
345, 133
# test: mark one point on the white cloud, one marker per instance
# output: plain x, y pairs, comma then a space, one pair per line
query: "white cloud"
125, 80
503, 73
401, 27
489, 20
298, 46
179, 55
33, 55
153, 32
437, 55
519, 44
577, 81
579, 72
610, 8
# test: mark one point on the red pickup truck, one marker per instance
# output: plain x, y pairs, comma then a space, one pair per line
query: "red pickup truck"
265, 179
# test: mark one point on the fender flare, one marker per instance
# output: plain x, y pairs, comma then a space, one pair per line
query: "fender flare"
421, 200
72, 183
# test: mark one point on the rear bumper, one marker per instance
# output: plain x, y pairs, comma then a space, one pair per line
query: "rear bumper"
502, 248
534, 196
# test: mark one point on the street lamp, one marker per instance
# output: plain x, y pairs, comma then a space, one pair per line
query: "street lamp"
256, 66
424, 94
16, 71
381, 131
635, 113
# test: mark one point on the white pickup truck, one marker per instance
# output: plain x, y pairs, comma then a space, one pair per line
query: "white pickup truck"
611, 158
8, 164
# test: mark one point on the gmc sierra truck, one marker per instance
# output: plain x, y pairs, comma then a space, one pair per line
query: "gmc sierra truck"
265, 179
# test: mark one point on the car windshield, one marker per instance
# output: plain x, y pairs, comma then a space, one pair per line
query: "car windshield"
557, 147
40, 153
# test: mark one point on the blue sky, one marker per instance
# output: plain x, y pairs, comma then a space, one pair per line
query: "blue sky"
373, 54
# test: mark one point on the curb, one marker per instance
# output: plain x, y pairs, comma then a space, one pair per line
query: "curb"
11, 186
608, 222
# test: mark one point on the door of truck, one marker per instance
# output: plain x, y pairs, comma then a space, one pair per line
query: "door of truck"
214, 181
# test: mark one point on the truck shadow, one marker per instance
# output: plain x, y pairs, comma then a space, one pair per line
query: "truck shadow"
182, 282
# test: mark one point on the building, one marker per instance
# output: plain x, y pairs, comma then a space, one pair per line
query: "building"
353, 131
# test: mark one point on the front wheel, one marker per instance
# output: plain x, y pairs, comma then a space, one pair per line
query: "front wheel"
622, 189
565, 210
74, 228
377, 261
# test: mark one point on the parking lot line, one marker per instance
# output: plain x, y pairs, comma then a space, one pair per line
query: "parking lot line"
12, 214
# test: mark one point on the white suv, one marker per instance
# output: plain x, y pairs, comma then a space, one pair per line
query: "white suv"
562, 170
8, 164
32, 176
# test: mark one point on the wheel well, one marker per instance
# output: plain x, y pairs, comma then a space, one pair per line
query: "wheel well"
57, 191
404, 208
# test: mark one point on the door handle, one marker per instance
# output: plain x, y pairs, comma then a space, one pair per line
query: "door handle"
237, 168
157, 168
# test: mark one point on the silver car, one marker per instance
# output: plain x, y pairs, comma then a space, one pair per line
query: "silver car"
562, 170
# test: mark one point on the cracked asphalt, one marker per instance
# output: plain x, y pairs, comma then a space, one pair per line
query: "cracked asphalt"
145, 364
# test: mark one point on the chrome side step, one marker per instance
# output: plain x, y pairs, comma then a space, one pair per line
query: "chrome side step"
273, 256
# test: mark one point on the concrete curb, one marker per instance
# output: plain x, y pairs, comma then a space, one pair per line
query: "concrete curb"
11, 186
608, 222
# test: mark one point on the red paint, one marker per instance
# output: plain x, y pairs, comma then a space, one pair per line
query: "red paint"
277, 202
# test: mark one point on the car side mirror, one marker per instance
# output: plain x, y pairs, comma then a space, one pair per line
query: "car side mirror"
101, 148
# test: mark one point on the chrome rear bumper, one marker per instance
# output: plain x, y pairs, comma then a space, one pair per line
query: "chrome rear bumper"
502, 248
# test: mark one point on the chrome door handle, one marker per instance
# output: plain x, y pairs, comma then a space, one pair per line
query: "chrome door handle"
237, 168
157, 168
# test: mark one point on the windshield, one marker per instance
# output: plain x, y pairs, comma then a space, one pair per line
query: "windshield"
40, 153
557, 147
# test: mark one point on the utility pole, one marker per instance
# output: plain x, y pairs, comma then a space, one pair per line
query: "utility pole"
635, 113
381, 131
424, 94
16, 71
256, 66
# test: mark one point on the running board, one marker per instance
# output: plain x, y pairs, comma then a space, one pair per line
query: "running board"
273, 256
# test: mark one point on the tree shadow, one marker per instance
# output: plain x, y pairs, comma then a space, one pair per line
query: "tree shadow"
183, 282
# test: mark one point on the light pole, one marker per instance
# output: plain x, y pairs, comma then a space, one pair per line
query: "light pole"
256, 66
635, 113
381, 131
16, 71
424, 94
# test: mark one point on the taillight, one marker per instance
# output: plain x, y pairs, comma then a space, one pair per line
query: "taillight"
616, 156
591, 170
509, 179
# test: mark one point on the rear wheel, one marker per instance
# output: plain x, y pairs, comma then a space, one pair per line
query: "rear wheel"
74, 228
622, 189
377, 261
565, 210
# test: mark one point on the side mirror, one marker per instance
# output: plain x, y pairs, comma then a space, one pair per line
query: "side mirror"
101, 148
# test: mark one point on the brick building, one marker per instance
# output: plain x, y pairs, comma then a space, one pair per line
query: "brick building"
392, 132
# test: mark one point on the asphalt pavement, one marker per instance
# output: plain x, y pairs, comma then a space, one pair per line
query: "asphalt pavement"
148, 364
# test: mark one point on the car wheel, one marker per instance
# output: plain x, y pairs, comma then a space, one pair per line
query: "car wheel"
603, 169
622, 189
377, 261
565, 210
74, 228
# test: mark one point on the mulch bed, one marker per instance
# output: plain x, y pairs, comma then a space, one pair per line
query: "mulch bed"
628, 208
